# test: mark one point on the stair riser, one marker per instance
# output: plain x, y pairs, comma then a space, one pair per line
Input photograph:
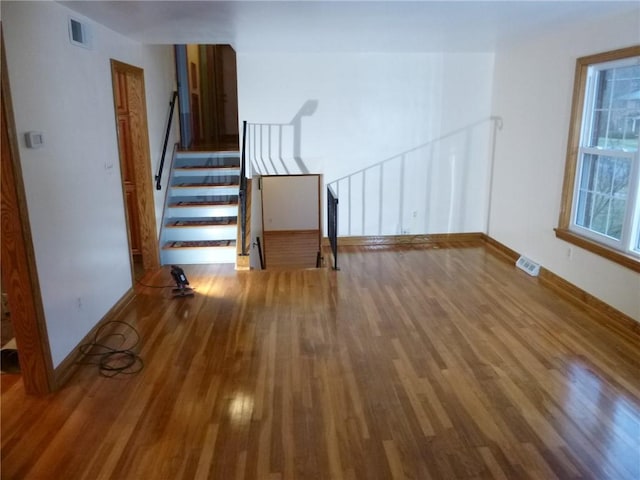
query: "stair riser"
198, 255
193, 212
203, 191
199, 159
200, 233
208, 172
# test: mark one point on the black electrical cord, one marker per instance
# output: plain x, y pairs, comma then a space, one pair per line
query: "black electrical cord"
113, 361
178, 276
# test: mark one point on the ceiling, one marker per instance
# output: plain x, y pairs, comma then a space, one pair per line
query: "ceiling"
343, 26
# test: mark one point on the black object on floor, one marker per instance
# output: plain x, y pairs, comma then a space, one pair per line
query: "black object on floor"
9, 360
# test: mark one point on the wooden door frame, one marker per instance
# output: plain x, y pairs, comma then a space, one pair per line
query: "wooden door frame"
19, 271
143, 175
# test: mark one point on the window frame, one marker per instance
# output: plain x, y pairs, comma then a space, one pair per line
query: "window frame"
567, 229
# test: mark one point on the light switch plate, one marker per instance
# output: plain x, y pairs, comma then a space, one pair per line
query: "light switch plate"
34, 139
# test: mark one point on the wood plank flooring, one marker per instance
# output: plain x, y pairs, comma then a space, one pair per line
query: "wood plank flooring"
409, 362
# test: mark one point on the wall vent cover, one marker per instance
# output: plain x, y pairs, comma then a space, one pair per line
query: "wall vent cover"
529, 266
79, 33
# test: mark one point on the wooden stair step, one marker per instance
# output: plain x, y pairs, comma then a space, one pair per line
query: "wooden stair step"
208, 167
210, 222
205, 184
208, 153
213, 203
200, 244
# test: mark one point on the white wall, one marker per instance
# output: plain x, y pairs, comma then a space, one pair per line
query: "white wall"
362, 109
256, 223
532, 92
278, 209
159, 66
72, 183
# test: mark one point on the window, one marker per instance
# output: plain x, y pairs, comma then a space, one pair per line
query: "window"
601, 196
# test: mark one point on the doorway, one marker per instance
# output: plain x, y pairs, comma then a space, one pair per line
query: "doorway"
207, 75
291, 229
135, 166
20, 286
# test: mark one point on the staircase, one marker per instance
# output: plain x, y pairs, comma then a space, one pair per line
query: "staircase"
200, 218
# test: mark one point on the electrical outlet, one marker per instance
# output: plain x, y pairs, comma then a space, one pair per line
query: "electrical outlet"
570, 253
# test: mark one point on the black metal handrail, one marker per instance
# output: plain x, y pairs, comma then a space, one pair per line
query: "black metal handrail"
242, 194
172, 104
332, 224
259, 245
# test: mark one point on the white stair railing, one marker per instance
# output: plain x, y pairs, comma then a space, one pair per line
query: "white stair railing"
431, 188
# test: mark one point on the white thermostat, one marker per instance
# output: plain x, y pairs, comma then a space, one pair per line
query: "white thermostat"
34, 139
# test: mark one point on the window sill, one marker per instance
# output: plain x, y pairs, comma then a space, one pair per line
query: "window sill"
609, 253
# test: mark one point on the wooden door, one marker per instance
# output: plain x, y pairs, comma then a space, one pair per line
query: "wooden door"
135, 163
219, 97
229, 91
127, 160
195, 118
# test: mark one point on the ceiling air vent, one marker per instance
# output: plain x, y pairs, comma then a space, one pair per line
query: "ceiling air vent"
79, 33
529, 266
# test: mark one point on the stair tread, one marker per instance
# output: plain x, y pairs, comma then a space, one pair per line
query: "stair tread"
208, 184
199, 244
208, 167
204, 204
211, 222
196, 151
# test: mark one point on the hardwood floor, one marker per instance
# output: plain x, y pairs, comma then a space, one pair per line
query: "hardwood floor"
409, 362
